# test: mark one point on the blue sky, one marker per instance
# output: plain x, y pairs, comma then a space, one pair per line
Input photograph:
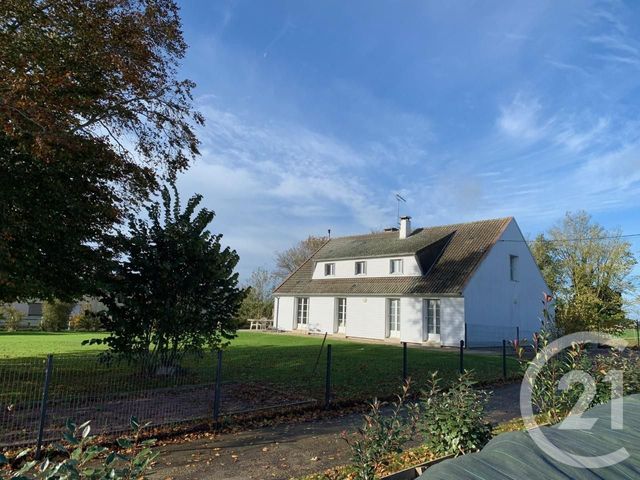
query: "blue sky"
318, 112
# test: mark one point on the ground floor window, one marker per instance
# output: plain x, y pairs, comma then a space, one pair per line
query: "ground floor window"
342, 313
393, 317
302, 310
432, 315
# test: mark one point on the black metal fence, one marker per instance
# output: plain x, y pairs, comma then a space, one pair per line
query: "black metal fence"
38, 395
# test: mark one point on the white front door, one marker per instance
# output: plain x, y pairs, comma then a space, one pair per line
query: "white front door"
341, 315
393, 317
431, 320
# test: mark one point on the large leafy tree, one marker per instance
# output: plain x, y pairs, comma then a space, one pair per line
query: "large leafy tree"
93, 117
175, 288
588, 268
54, 221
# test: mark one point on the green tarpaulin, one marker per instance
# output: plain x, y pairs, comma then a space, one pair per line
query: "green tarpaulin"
516, 456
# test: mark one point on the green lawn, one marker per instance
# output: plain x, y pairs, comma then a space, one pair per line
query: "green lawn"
360, 371
32, 344
631, 336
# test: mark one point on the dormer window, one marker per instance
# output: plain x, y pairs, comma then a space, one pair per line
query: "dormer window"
395, 266
329, 269
361, 268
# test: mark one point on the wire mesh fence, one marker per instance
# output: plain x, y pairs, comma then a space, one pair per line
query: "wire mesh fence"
162, 392
483, 335
84, 387
191, 388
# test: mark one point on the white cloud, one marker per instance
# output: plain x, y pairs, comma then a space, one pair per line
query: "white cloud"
613, 43
524, 119
274, 183
612, 174
521, 118
568, 134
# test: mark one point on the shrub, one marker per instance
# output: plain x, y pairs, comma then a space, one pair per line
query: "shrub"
85, 321
519, 346
175, 290
55, 316
452, 421
11, 317
628, 363
555, 404
382, 435
546, 397
79, 457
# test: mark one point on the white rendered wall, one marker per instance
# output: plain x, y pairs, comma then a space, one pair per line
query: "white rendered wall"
411, 319
413, 327
367, 317
321, 314
494, 304
376, 267
283, 313
452, 315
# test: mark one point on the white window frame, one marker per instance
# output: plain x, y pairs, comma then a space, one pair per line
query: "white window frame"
364, 267
393, 312
514, 261
396, 261
341, 313
302, 313
432, 315
330, 268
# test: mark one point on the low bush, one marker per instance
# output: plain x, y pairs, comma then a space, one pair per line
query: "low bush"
11, 317
55, 316
80, 459
452, 420
85, 321
382, 436
555, 403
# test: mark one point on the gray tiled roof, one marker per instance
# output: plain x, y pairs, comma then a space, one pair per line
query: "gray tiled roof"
448, 254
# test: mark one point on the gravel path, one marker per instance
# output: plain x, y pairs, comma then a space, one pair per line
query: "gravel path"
284, 451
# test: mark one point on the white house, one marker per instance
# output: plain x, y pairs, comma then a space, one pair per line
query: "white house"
32, 314
33, 311
475, 281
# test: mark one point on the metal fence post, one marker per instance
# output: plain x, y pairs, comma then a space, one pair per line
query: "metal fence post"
404, 362
466, 339
638, 334
217, 392
43, 405
315, 367
504, 359
327, 379
518, 334
461, 356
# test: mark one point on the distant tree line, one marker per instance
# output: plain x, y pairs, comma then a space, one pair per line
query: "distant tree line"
260, 286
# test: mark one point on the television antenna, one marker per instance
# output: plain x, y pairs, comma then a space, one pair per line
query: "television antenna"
399, 198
